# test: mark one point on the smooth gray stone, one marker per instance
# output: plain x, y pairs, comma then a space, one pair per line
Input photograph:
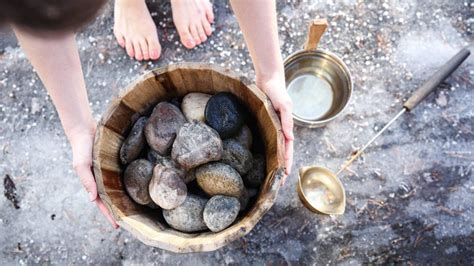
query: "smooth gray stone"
237, 156
136, 179
188, 217
220, 212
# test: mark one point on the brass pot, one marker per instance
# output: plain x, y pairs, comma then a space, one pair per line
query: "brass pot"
318, 81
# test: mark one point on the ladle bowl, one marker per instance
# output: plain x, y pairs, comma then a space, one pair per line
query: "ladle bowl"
321, 191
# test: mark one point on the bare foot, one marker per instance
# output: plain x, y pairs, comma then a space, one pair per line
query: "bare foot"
193, 20
135, 30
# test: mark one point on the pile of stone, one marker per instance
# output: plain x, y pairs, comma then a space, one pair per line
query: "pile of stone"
192, 160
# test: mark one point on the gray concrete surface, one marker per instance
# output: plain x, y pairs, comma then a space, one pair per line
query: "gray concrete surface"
410, 198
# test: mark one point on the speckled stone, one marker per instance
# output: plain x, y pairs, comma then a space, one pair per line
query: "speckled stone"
170, 163
196, 144
188, 217
136, 178
194, 104
224, 114
134, 143
163, 126
237, 156
167, 188
256, 174
220, 212
220, 179
244, 137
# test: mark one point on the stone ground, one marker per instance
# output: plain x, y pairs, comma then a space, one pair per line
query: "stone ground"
410, 198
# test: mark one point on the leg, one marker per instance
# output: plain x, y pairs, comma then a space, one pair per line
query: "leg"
193, 20
135, 30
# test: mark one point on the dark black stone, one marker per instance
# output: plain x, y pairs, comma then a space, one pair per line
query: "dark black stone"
225, 114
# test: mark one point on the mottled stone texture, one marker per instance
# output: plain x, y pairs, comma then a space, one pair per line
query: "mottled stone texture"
188, 217
167, 188
196, 144
220, 179
220, 212
237, 156
163, 126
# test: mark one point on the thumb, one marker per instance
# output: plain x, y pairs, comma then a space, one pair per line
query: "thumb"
87, 179
287, 124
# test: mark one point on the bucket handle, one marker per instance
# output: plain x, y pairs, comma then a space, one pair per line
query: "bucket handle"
316, 29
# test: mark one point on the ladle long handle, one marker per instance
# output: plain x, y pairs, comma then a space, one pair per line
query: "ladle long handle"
361, 150
315, 31
436, 79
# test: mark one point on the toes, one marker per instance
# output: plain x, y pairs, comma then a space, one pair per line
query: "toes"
207, 27
154, 48
201, 33
186, 38
195, 34
129, 48
120, 39
144, 49
138, 50
209, 12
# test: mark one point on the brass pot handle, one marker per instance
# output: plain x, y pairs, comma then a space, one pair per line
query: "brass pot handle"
316, 29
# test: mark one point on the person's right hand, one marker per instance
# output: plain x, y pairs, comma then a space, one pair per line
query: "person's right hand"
82, 141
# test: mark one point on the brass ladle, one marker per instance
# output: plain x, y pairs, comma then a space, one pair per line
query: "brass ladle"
321, 191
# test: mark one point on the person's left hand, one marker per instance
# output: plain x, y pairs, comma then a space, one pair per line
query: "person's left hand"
275, 89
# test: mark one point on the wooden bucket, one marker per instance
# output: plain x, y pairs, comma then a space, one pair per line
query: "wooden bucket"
160, 85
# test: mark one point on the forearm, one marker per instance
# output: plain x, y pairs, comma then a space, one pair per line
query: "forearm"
257, 20
56, 60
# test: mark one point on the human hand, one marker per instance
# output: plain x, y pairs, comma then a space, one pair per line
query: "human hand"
82, 141
275, 89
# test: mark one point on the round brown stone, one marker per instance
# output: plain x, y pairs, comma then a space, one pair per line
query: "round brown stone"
163, 126
167, 188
